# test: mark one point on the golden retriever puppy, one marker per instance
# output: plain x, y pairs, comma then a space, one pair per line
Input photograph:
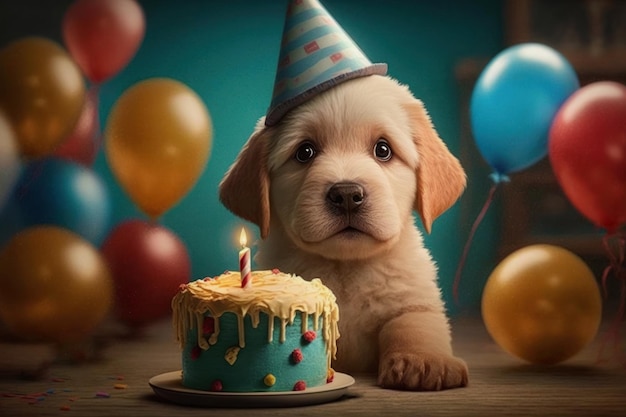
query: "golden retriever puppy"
332, 188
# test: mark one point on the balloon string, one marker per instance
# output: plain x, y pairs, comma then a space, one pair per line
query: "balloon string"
617, 268
468, 244
615, 260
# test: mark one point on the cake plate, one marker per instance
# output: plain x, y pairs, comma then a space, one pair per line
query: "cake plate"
169, 387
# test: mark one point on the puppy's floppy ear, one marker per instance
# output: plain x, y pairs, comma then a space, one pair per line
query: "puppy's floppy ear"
244, 190
440, 177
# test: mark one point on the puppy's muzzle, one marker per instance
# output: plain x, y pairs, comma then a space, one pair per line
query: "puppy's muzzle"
345, 197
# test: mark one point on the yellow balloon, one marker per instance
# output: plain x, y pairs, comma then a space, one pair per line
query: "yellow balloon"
158, 141
42, 91
542, 304
54, 285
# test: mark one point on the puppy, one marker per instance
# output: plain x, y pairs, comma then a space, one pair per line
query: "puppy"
332, 188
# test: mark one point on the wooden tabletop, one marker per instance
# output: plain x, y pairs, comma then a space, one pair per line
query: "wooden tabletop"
116, 384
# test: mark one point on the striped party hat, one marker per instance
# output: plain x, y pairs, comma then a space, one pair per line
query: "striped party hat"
316, 54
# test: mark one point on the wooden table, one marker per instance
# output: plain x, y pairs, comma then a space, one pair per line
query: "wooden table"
499, 384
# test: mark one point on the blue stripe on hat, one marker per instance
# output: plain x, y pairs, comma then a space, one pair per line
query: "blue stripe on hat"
296, 67
304, 39
345, 65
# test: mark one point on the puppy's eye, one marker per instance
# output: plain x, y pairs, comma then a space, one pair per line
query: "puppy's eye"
305, 152
382, 150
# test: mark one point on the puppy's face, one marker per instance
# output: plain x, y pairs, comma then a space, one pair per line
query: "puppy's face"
341, 173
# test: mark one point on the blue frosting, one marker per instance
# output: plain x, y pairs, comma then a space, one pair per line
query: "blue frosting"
201, 368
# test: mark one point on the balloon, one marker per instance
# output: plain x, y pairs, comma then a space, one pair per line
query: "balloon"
103, 35
9, 160
148, 263
588, 152
63, 193
514, 102
82, 144
157, 142
542, 304
54, 286
41, 91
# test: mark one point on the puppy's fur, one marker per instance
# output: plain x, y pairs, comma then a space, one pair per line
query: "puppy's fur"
371, 255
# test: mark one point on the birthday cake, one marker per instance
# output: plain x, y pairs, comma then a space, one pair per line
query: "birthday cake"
276, 334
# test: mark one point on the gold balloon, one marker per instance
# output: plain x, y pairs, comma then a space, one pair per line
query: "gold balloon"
158, 141
42, 92
542, 304
54, 285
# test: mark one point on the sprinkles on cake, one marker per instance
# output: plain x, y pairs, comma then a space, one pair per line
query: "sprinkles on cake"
195, 352
217, 386
296, 356
231, 354
269, 380
199, 298
309, 336
293, 310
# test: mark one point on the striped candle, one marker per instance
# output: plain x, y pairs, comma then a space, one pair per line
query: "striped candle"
244, 260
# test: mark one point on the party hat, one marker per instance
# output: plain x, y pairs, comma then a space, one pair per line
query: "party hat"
316, 54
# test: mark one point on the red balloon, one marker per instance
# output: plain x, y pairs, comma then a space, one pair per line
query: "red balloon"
103, 35
587, 150
148, 263
82, 145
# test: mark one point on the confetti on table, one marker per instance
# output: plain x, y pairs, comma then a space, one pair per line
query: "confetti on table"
120, 386
102, 394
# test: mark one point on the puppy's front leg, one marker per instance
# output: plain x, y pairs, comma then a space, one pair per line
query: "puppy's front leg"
415, 354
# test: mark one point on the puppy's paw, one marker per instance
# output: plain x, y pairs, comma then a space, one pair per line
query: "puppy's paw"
422, 371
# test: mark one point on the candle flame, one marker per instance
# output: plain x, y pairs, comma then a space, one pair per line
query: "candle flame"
243, 238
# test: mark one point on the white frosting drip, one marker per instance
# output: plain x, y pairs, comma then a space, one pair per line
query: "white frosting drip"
278, 295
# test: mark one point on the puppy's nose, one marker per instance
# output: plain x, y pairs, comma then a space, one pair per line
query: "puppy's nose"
347, 196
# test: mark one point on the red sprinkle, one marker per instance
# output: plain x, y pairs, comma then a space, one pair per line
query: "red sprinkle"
65, 407
182, 287
195, 352
102, 394
309, 336
276, 271
296, 356
208, 326
299, 386
217, 385
330, 376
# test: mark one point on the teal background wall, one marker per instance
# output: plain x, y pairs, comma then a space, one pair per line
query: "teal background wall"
227, 50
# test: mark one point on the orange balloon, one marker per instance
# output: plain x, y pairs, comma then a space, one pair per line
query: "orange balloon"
54, 285
542, 304
157, 142
42, 92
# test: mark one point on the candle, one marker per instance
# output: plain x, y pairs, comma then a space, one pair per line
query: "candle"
244, 260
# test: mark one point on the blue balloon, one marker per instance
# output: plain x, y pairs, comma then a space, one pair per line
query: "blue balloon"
513, 103
62, 193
